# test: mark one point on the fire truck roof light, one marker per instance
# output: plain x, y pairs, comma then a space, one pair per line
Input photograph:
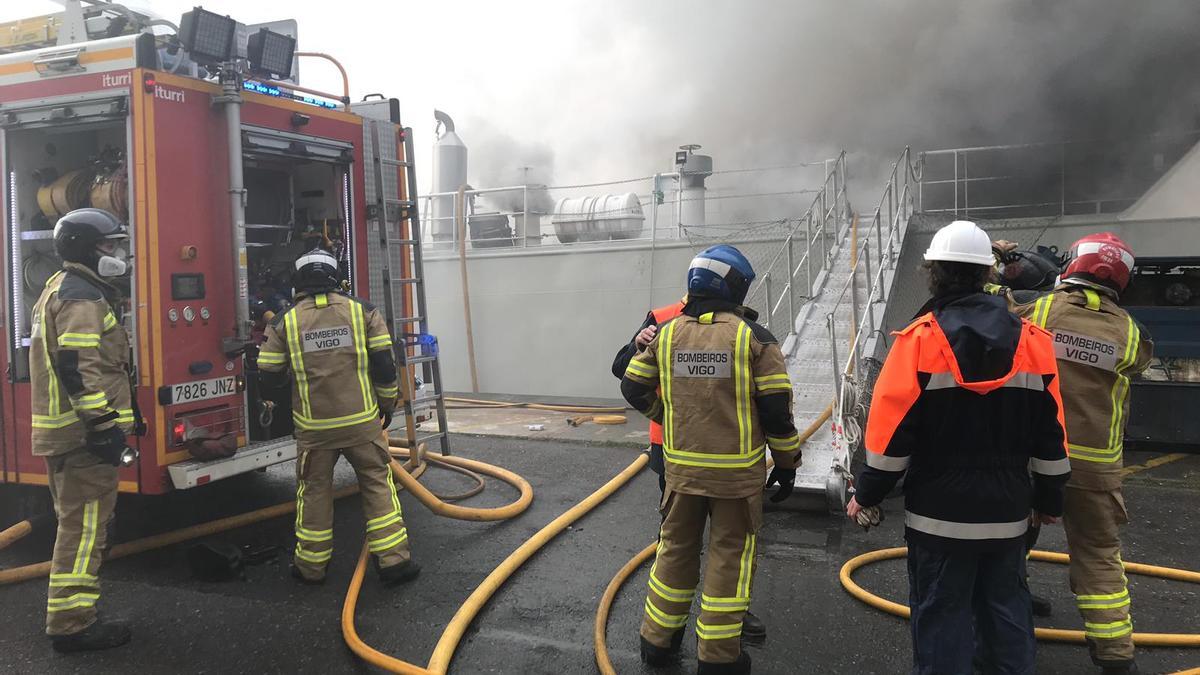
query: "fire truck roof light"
271, 53
207, 36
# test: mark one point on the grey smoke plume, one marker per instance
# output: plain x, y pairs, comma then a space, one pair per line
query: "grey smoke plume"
500, 159
772, 81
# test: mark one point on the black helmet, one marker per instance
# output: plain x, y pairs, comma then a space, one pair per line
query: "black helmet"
78, 234
316, 272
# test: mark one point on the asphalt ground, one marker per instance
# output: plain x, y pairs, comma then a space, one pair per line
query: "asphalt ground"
541, 620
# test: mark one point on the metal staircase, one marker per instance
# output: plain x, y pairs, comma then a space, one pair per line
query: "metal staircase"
846, 270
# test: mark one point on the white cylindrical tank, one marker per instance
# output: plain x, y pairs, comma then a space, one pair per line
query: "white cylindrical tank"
449, 174
598, 218
692, 174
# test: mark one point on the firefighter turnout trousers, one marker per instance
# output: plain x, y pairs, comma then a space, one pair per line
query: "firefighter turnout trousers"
728, 575
84, 490
387, 538
1092, 520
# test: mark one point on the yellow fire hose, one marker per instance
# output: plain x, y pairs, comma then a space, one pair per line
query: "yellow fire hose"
439, 662
1047, 634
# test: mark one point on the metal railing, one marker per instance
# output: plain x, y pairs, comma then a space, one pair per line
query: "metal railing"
873, 252
819, 229
1045, 179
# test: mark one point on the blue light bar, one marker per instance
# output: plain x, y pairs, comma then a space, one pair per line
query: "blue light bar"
260, 88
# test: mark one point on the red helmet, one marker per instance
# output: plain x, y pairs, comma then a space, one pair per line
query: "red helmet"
1101, 258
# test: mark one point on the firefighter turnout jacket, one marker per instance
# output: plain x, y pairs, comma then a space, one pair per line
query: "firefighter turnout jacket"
968, 404
339, 352
725, 399
79, 362
1099, 346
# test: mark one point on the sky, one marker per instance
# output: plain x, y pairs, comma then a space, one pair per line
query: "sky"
591, 91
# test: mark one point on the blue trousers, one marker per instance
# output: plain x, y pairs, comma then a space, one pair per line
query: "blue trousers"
963, 598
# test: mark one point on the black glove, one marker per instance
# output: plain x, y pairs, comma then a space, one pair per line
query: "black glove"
387, 418
107, 445
786, 478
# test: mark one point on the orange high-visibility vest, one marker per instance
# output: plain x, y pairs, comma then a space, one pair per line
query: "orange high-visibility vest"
661, 316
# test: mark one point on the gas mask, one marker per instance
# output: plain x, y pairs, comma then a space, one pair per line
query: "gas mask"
114, 264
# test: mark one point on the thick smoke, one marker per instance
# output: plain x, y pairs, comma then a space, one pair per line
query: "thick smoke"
769, 83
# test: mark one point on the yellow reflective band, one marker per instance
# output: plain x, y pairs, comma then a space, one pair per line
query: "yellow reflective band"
272, 358
711, 604
92, 401
380, 341
383, 521
1041, 309
53, 408
1121, 600
313, 424
664, 357
68, 580
358, 325
706, 318
642, 370
746, 566
296, 350
784, 444
79, 340
315, 536
713, 460
1120, 388
775, 386
1111, 630
387, 392
377, 545
55, 421
72, 602
741, 386
666, 592
87, 538
317, 557
718, 631
764, 379
671, 621
1093, 299
322, 300
110, 322
391, 481
124, 416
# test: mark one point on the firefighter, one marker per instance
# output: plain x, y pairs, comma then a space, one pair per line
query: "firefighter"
1099, 347
753, 629
81, 415
717, 383
344, 379
968, 405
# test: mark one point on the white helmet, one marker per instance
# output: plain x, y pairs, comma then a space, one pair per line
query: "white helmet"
961, 241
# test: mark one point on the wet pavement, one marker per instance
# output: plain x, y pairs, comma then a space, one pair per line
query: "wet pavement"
541, 620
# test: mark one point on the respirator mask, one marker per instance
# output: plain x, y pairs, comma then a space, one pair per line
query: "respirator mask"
113, 263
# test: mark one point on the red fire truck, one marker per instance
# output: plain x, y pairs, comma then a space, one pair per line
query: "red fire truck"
137, 124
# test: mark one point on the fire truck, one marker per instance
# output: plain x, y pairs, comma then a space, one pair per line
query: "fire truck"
225, 169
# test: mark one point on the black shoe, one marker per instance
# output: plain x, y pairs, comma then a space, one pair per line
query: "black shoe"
657, 657
400, 573
1118, 667
1041, 606
99, 635
754, 630
739, 667
299, 576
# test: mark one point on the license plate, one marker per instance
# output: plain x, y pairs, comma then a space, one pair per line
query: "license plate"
202, 390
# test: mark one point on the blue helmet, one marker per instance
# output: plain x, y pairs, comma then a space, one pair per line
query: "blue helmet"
720, 272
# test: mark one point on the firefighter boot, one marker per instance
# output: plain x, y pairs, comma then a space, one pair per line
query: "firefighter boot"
1111, 666
100, 635
739, 667
400, 573
299, 576
657, 657
754, 630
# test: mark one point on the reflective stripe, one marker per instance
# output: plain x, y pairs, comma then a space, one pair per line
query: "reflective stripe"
321, 300
295, 348
746, 566
110, 322
642, 370
1112, 630
664, 357
956, 530
55, 421
775, 386
741, 383
1107, 601
1041, 309
387, 392
312, 424
714, 461
1100, 455
313, 557
1021, 380
718, 631
272, 358
1050, 467
1120, 388
706, 318
883, 462
710, 604
67, 580
87, 538
72, 602
79, 340
666, 592
672, 621
1093, 299
392, 540
124, 416
315, 536
54, 414
92, 401
384, 520
358, 325
766, 379
379, 341
785, 444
